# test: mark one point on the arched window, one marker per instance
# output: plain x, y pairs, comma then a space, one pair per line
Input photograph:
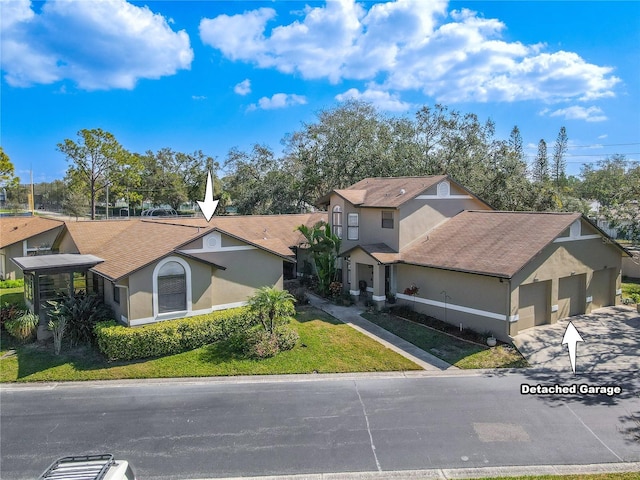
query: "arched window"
337, 221
444, 189
172, 288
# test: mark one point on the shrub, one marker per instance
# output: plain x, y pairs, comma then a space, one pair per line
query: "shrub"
261, 344
12, 283
117, 342
335, 289
287, 337
82, 312
24, 327
8, 312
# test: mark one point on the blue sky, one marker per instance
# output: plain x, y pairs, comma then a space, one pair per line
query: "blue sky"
212, 75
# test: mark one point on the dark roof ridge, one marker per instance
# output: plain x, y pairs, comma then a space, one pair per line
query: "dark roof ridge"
529, 212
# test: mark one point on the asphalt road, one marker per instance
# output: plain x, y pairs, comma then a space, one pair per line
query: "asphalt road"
200, 429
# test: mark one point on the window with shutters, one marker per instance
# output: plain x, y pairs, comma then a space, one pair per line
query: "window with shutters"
172, 288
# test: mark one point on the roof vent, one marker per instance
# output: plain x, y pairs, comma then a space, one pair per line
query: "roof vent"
402, 191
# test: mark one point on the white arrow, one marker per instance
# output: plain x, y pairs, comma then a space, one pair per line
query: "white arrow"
209, 205
571, 338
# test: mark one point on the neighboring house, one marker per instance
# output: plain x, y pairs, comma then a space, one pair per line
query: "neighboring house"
156, 269
491, 271
25, 236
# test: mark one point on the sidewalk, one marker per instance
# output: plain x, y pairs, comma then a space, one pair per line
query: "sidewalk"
351, 316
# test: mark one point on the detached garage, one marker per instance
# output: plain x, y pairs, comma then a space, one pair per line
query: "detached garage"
504, 272
577, 272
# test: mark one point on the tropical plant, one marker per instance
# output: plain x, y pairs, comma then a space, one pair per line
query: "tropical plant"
24, 327
324, 246
82, 311
271, 307
58, 326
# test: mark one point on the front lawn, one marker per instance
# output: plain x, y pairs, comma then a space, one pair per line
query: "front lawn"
13, 295
326, 346
455, 351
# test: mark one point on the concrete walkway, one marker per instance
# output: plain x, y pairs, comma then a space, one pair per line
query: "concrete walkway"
351, 316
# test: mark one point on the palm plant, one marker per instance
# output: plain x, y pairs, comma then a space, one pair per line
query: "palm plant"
272, 307
325, 247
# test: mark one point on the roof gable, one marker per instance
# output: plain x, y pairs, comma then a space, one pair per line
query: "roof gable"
488, 242
17, 229
390, 192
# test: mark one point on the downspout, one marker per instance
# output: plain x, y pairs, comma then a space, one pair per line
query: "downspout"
509, 308
126, 287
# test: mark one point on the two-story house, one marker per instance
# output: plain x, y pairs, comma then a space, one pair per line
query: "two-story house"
491, 271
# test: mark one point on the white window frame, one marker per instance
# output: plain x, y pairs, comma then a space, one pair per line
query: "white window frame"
336, 221
156, 271
353, 226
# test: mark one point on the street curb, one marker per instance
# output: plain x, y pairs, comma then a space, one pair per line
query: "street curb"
456, 473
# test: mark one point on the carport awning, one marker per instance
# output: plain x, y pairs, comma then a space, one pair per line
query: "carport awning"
64, 262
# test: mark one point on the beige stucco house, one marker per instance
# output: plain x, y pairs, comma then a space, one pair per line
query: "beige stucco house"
491, 271
25, 236
157, 269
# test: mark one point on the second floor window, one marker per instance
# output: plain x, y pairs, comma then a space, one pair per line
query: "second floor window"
337, 221
352, 226
387, 219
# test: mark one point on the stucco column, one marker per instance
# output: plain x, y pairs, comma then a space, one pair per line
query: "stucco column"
378, 285
353, 280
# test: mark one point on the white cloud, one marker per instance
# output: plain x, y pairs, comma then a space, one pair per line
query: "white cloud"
409, 45
576, 112
278, 100
99, 45
243, 88
381, 99
198, 97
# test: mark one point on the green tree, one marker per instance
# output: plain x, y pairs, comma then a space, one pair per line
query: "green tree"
559, 165
615, 184
7, 170
324, 246
272, 307
540, 170
97, 159
258, 183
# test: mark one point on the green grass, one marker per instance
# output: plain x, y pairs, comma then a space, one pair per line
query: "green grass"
450, 349
12, 295
326, 346
630, 287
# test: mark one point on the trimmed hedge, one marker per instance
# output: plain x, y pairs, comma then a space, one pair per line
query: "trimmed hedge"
169, 337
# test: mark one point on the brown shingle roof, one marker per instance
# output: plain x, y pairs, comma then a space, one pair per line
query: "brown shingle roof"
17, 229
91, 236
381, 252
129, 245
488, 242
257, 228
387, 191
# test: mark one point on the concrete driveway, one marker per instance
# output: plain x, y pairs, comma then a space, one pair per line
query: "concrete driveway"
611, 342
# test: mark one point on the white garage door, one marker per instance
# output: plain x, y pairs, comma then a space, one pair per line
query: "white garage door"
532, 308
